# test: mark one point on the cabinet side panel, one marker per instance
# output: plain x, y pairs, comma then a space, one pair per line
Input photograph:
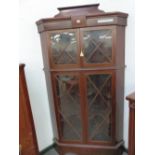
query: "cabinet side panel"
120, 63
44, 45
119, 104
51, 103
120, 46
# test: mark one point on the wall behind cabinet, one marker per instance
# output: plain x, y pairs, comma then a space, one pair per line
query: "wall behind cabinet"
30, 54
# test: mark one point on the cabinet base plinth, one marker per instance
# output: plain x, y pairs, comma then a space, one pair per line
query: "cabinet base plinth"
83, 149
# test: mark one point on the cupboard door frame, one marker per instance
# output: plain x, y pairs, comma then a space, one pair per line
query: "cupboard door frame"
84, 106
50, 51
56, 102
82, 30
112, 73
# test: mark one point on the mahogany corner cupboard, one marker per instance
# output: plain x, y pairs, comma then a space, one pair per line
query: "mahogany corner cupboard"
83, 53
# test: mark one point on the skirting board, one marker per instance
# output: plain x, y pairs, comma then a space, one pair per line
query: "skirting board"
54, 145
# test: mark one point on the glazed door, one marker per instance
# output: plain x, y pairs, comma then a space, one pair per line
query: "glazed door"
97, 46
64, 48
85, 47
68, 106
100, 106
85, 106
84, 99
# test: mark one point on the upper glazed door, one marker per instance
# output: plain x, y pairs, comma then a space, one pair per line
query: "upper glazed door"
97, 46
85, 47
64, 48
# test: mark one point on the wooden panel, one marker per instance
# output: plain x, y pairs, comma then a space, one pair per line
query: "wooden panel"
119, 95
46, 61
105, 20
119, 39
84, 149
131, 143
80, 10
27, 136
55, 25
89, 12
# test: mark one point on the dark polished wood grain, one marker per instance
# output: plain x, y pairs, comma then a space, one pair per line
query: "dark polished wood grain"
83, 52
27, 135
87, 14
131, 99
84, 149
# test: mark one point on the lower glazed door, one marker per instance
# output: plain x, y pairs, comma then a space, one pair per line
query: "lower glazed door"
85, 106
100, 106
68, 106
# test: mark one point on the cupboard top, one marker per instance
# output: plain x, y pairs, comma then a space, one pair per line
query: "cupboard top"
81, 16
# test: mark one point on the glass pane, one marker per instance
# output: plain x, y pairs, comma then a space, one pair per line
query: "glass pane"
97, 46
99, 106
69, 106
64, 48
